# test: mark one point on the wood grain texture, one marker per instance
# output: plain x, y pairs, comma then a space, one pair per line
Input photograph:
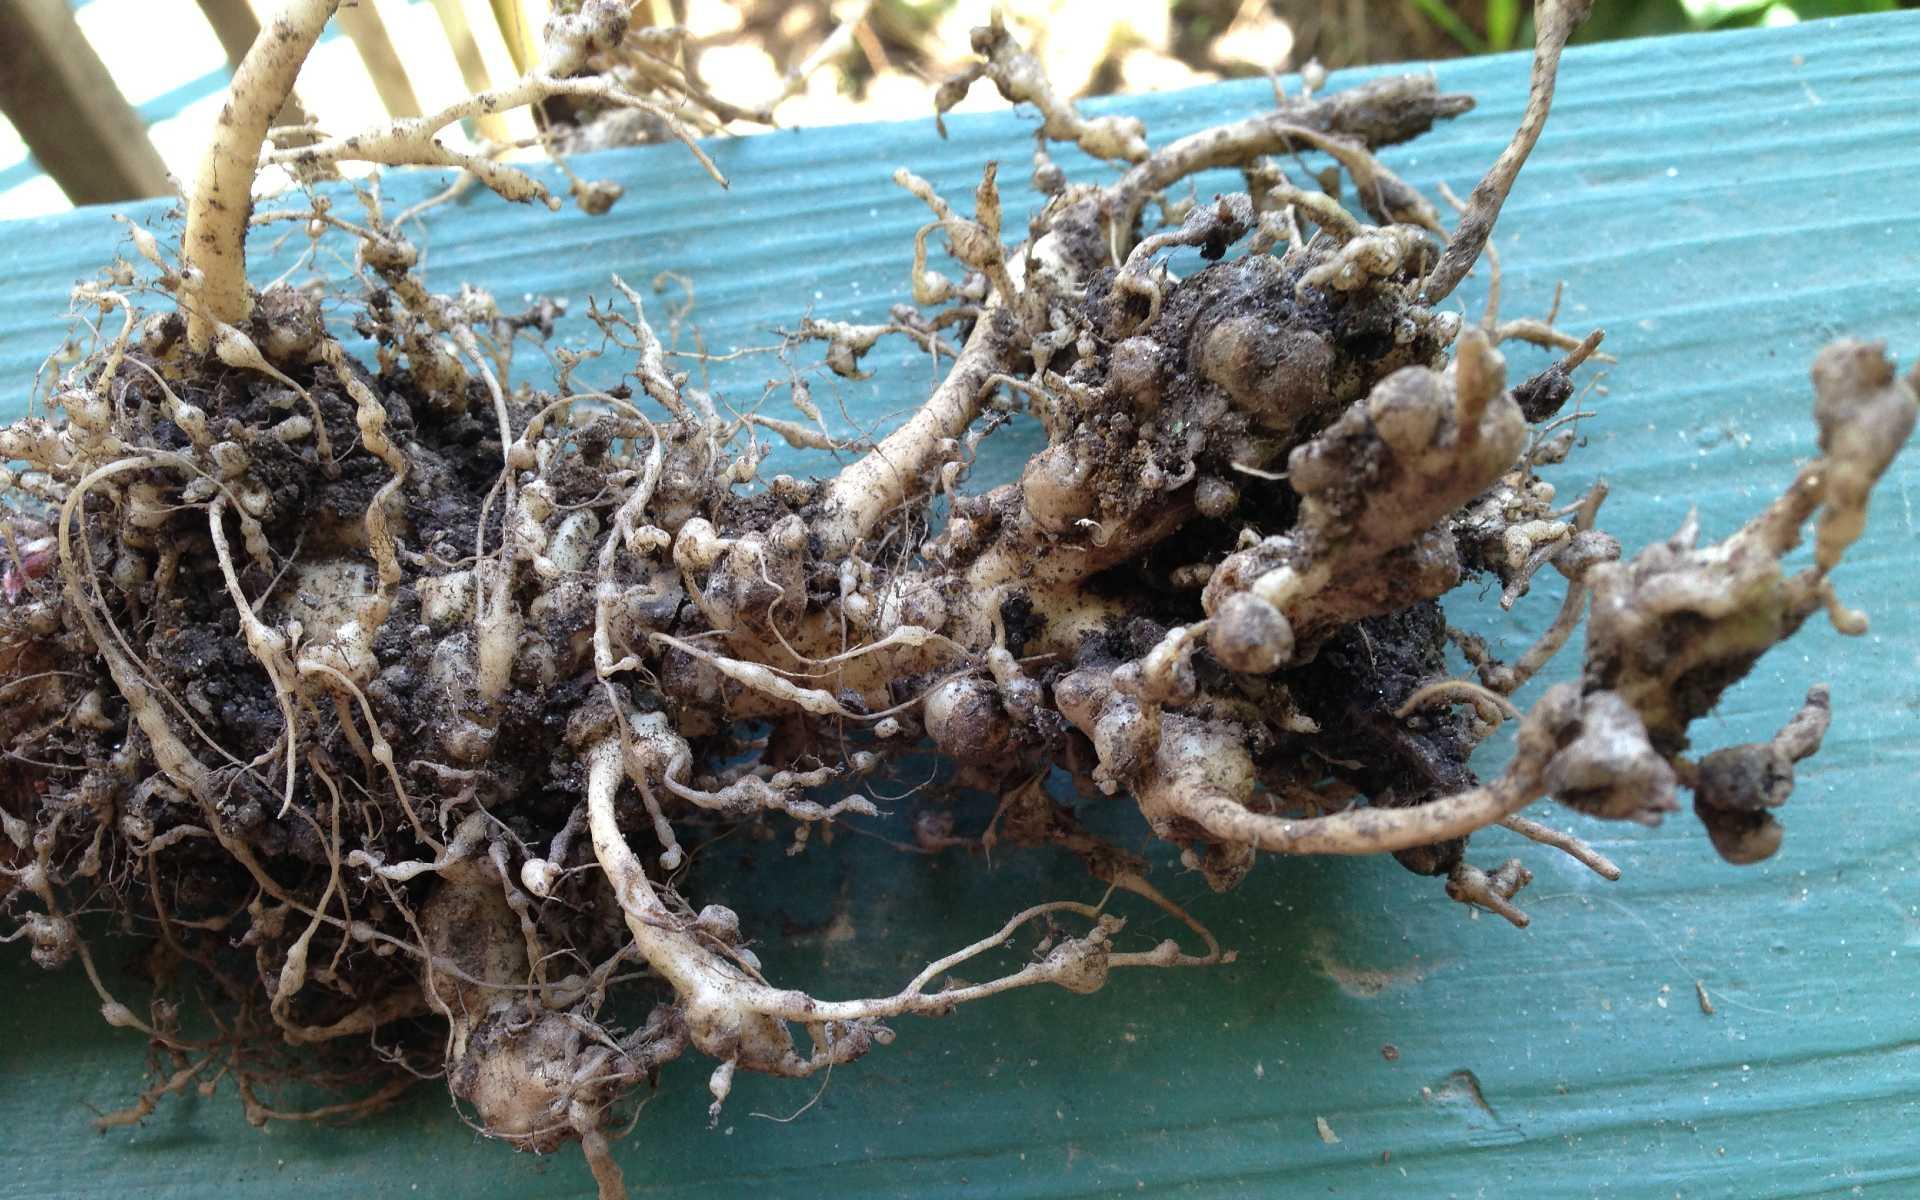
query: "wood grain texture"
1722, 205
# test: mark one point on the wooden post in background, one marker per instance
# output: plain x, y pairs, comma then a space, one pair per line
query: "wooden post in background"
236, 26
58, 94
362, 23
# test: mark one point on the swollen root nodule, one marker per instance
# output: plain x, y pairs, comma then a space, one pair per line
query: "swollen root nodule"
390, 695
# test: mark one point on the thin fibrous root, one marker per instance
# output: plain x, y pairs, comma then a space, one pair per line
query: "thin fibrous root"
1555, 21
1570, 845
733, 1015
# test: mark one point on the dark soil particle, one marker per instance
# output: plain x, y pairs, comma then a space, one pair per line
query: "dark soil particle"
1544, 395
1352, 688
1020, 621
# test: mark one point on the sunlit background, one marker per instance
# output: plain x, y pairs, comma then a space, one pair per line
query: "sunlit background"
863, 59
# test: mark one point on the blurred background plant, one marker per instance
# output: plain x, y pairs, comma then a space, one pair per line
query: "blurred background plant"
1500, 25
105, 99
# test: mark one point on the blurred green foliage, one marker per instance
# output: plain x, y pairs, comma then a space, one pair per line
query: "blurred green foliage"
1498, 25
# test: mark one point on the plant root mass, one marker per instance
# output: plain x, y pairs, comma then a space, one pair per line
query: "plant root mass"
389, 701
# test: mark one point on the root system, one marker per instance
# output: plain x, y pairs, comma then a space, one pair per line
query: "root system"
388, 696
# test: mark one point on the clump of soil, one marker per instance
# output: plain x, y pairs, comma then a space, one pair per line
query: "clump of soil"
384, 693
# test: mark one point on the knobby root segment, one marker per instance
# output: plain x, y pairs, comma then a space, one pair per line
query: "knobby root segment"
399, 695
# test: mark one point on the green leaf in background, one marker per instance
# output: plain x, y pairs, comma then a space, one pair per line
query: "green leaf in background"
1719, 14
1812, 10
1503, 23
1450, 23
1713, 12
1507, 25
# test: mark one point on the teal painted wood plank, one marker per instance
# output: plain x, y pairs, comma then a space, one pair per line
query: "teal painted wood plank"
1722, 205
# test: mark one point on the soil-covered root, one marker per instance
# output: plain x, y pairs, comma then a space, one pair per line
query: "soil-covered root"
393, 693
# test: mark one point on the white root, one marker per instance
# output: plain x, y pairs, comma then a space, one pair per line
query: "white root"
1357, 831
1019, 77
634, 614
864, 492
768, 682
267, 644
214, 249
214, 289
170, 752
412, 141
1566, 843
738, 1018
